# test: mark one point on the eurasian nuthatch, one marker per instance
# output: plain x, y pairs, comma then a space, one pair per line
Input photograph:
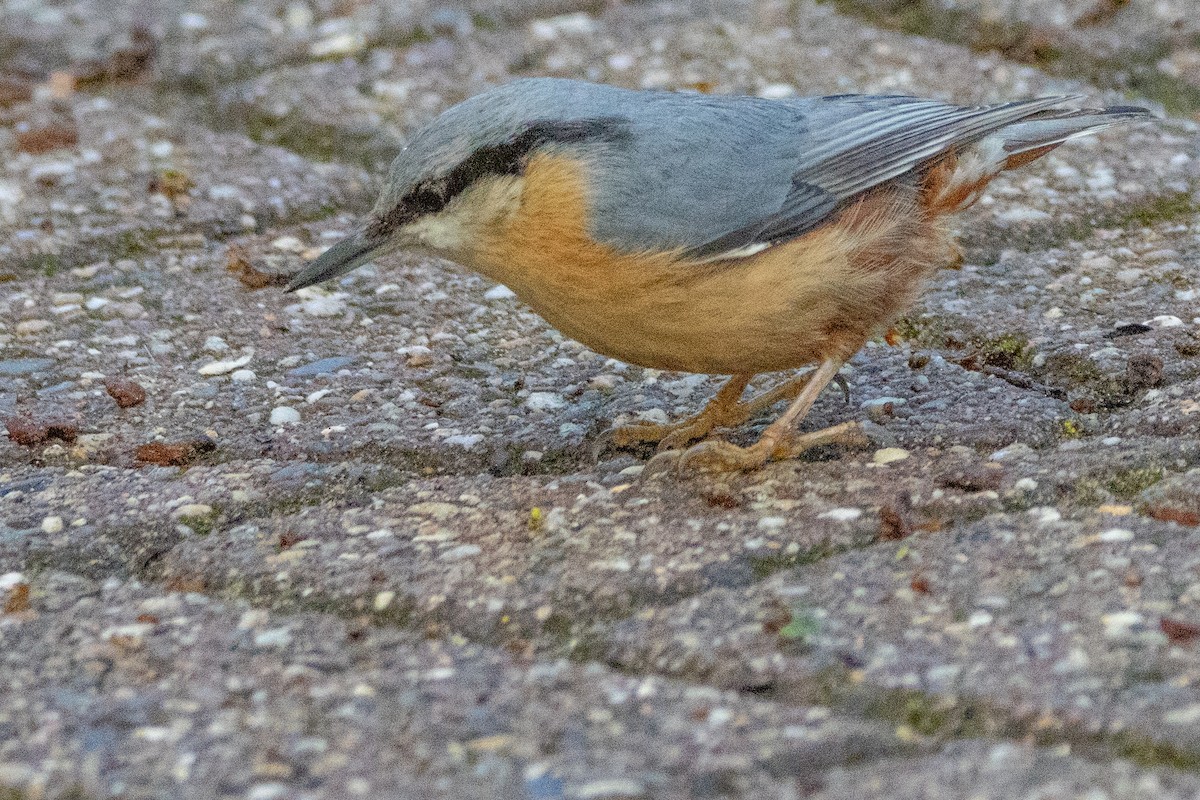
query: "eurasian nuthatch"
701, 233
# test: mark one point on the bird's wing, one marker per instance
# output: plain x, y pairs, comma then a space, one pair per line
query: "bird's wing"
883, 140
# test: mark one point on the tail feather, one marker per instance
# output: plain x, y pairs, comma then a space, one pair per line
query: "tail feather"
954, 184
1052, 128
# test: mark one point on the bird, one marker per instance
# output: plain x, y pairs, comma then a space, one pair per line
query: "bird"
702, 233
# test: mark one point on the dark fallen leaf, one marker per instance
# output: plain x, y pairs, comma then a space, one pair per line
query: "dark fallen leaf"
1178, 631
777, 619
173, 455
29, 432
895, 518
1133, 329
1101, 13
1180, 516
1083, 405
17, 599
25, 431
289, 538
127, 393
973, 478
1143, 371
59, 429
125, 63
14, 90
720, 497
237, 261
45, 139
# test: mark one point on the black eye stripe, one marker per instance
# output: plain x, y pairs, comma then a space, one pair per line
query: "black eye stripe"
507, 158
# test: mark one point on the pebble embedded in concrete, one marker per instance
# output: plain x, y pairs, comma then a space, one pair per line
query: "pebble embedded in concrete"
284, 415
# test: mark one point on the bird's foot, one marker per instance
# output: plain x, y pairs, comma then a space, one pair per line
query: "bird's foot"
717, 455
667, 435
725, 410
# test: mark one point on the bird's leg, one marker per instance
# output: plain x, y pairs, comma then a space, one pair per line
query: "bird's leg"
724, 410
955, 255
779, 440
715, 413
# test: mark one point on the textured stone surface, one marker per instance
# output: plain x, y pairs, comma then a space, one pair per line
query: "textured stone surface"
367, 539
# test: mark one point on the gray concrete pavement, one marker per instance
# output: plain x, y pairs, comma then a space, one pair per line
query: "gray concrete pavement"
357, 542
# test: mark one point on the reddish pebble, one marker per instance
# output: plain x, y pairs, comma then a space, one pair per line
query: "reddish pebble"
127, 393
1178, 631
29, 432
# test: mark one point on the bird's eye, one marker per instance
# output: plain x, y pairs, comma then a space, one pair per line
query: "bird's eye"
427, 197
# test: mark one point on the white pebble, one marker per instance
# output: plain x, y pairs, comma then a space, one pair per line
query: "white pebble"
655, 416
31, 326
243, 375
52, 525
1045, 514
544, 401
418, 356
1121, 623
339, 45
298, 16
1165, 321
547, 30
841, 514
889, 454
323, 305
465, 440
273, 637
1187, 715
499, 292
979, 619
9, 580
288, 244
620, 61
284, 415
1115, 535
225, 367
223, 191
462, 551
10, 200
776, 91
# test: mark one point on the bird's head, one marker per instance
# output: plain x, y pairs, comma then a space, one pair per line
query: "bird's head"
459, 172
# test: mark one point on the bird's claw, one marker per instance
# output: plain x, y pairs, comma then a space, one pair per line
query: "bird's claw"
630, 435
668, 436
717, 455
665, 462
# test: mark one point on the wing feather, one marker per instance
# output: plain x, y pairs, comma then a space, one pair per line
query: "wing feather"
861, 151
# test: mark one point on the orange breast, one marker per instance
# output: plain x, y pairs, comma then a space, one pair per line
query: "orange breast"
821, 295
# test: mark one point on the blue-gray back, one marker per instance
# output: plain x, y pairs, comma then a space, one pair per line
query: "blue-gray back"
711, 174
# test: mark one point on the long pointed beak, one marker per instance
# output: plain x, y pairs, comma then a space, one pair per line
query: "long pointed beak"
345, 255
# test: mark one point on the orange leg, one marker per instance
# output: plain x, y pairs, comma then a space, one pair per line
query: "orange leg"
725, 410
778, 441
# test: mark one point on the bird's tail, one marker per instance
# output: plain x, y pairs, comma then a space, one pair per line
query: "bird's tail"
955, 183
1035, 136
